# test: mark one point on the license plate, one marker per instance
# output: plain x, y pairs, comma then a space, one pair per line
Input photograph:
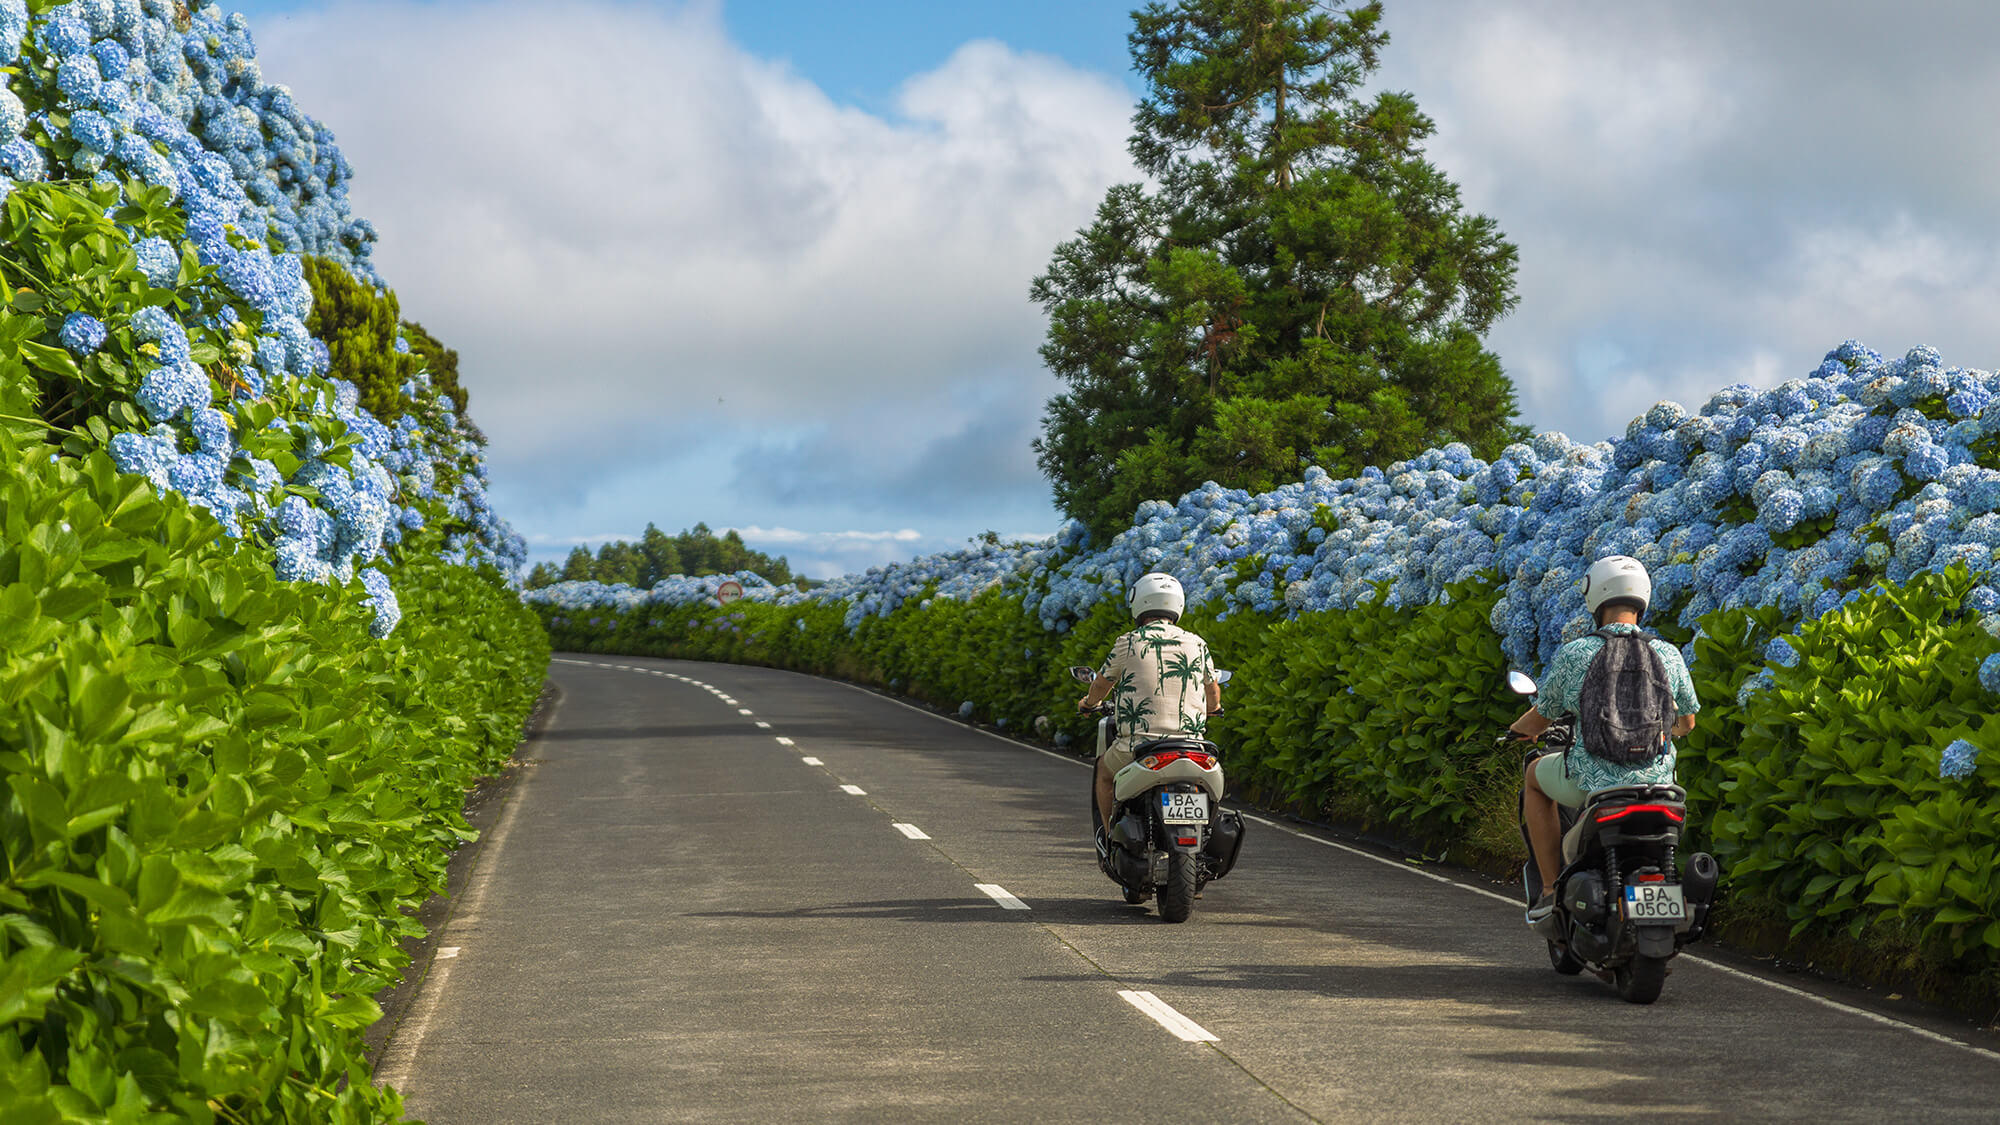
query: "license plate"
1653, 902
1184, 808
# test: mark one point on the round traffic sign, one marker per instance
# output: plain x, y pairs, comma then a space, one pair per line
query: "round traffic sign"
729, 591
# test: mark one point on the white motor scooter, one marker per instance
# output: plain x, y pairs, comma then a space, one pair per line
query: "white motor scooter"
1169, 834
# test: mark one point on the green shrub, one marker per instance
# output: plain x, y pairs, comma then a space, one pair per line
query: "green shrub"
221, 796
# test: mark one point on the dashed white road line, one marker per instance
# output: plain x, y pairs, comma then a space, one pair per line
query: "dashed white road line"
743, 711
912, 831
762, 725
999, 894
1163, 1014
812, 761
783, 741
854, 790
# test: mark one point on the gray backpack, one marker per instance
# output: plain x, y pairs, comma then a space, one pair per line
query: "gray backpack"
1626, 707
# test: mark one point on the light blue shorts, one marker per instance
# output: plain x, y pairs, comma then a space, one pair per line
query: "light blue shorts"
1550, 776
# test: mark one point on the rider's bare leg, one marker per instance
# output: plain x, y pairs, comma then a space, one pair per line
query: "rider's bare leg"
1105, 792
1544, 829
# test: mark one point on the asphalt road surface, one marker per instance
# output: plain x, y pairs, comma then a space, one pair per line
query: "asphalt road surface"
725, 893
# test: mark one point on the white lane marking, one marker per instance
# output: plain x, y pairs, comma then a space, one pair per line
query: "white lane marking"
783, 741
856, 790
743, 711
1385, 861
1163, 1014
911, 830
446, 953
999, 894
762, 725
812, 761
1823, 1001
1875, 1017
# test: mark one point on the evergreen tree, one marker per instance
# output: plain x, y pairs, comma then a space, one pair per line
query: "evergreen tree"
663, 557
540, 575
697, 551
1301, 287
440, 361
359, 327
579, 567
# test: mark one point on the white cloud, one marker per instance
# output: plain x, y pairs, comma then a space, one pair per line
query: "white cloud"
1716, 195
785, 536
630, 228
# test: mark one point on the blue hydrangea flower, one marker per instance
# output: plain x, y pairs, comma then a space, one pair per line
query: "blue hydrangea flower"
1959, 760
82, 333
382, 599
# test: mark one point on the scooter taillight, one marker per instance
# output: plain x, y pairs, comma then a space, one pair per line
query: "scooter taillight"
1187, 841
1668, 811
1155, 761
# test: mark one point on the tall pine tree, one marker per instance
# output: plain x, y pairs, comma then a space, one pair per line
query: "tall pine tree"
1296, 286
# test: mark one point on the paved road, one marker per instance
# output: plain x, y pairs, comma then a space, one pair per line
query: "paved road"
734, 894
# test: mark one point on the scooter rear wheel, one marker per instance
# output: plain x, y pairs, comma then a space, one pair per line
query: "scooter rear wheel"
1177, 897
1563, 961
1639, 980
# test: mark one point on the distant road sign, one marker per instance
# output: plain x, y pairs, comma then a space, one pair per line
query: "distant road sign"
729, 591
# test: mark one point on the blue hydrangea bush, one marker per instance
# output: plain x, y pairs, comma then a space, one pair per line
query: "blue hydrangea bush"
219, 184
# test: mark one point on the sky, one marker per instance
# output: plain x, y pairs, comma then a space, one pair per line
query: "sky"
765, 265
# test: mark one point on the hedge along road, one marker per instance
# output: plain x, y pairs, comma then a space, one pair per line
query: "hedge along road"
734, 893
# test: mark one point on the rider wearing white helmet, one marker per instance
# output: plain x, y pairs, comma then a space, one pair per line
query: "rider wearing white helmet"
1616, 591
1163, 677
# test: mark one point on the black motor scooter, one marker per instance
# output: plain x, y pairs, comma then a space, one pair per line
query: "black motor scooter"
1623, 907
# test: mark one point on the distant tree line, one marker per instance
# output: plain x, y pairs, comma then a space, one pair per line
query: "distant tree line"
656, 555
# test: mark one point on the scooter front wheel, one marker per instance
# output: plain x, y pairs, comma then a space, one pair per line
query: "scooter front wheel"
1563, 961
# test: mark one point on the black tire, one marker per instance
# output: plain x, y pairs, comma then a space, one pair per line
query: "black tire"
1563, 961
1177, 897
1135, 897
1639, 980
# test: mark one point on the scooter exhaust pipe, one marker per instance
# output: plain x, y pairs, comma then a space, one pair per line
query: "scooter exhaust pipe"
1698, 885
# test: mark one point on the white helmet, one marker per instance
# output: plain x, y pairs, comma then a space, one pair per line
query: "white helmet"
1156, 593
1617, 578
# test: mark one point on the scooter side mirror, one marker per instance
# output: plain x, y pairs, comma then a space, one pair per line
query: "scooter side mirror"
1083, 674
1520, 684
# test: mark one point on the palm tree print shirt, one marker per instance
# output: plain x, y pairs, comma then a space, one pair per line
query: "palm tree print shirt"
1160, 674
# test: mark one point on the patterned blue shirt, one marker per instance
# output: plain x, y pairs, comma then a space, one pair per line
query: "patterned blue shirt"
1561, 692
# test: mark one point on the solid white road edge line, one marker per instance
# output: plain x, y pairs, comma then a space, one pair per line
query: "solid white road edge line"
1822, 1001
911, 830
854, 790
999, 894
400, 1053
1163, 1014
